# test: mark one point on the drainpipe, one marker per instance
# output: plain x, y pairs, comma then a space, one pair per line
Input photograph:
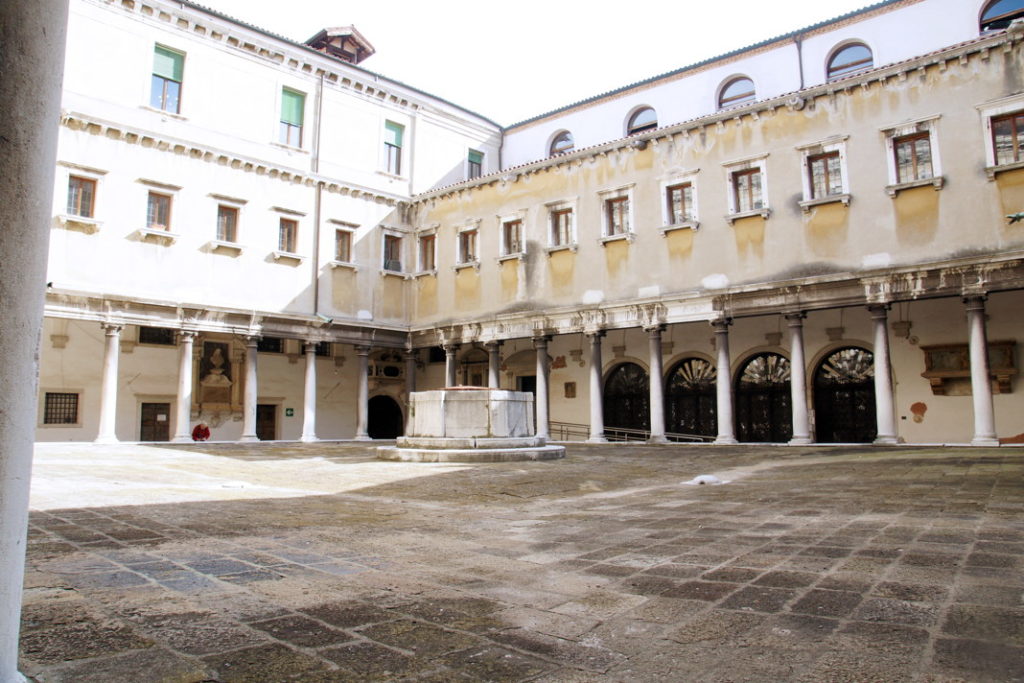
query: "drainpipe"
318, 193
799, 42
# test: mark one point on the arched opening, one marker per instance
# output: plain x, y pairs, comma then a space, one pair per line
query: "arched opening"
739, 90
473, 368
627, 398
849, 59
998, 14
844, 397
562, 143
385, 418
690, 400
763, 401
641, 120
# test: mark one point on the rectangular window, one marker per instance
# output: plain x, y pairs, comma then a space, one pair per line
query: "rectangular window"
680, 203
427, 253
476, 164
81, 194
157, 335
168, 68
1006, 138
293, 106
343, 246
512, 237
616, 216
323, 349
270, 345
561, 227
393, 134
393, 253
158, 211
467, 246
913, 157
227, 223
60, 408
746, 187
288, 233
825, 175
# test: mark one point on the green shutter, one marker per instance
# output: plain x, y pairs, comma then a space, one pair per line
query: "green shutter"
476, 157
393, 133
168, 64
292, 105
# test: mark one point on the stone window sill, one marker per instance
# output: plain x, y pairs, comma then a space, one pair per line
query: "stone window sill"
392, 176
937, 182
227, 248
468, 264
992, 171
561, 247
345, 264
685, 225
290, 148
518, 256
425, 273
164, 112
627, 236
395, 273
807, 205
287, 257
763, 212
164, 237
87, 225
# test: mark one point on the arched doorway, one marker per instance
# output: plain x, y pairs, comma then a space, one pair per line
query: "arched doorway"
763, 400
844, 397
627, 398
690, 401
385, 418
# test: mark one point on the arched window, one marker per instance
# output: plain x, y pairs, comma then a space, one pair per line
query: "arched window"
562, 143
763, 400
739, 90
998, 14
844, 397
849, 59
690, 398
641, 120
627, 398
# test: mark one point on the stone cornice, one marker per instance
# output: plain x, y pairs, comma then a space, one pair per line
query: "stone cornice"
165, 143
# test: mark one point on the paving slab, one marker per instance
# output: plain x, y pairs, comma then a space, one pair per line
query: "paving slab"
318, 562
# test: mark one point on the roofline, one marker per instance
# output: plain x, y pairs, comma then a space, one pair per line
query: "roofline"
710, 60
270, 34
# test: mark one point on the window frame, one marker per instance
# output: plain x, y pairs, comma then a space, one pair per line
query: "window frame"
159, 196
234, 211
631, 127
467, 246
160, 234
999, 18
76, 211
164, 80
392, 237
808, 153
991, 111
286, 128
43, 400
518, 219
858, 66
617, 202
150, 341
287, 235
565, 207
679, 180
552, 152
391, 152
66, 219
474, 169
735, 100
919, 128
746, 167
426, 252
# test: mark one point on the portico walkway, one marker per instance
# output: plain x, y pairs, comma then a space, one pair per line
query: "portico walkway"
315, 562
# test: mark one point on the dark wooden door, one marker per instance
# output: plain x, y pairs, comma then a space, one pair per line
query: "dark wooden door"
763, 400
844, 397
156, 422
691, 401
266, 421
627, 398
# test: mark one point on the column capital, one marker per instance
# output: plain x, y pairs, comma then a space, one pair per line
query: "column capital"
795, 317
408, 353
451, 347
595, 333
494, 343
541, 340
187, 335
975, 302
309, 345
362, 349
654, 327
251, 339
721, 325
879, 310
112, 329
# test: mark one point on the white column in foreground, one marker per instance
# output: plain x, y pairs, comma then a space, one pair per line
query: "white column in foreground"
251, 391
182, 433
309, 395
108, 391
885, 411
723, 382
798, 380
981, 381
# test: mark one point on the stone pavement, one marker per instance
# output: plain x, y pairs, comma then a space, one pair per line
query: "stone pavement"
318, 563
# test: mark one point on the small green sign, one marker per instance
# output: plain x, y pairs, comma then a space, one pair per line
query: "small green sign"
289, 412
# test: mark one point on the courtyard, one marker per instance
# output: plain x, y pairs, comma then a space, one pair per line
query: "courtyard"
316, 562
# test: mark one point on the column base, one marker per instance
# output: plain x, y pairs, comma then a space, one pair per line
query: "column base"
659, 438
984, 441
184, 438
597, 439
800, 441
886, 441
362, 437
308, 439
726, 440
248, 437
106, 439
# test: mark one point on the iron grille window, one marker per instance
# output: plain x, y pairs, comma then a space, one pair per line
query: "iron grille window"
60, 408
157, 335
323, 349
270, 345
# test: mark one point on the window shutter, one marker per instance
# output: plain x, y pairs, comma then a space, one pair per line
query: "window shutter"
476, 157
168, 64
393, 134
292, 105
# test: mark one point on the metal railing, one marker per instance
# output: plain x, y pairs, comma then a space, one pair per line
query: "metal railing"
572, 431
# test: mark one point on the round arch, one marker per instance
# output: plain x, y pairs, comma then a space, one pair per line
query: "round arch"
848, 57
385, 418
996, 15
763, 399
735, 90
627, 397
844, 396
691, 402
562, 142
640, 119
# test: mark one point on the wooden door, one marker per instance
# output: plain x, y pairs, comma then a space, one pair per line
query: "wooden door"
266, 421
156, 422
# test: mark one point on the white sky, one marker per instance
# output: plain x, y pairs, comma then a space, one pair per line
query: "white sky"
515, 59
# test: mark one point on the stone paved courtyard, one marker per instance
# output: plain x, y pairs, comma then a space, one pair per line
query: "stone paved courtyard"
279, 562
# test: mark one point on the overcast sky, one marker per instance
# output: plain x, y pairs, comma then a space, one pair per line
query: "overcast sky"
512, 60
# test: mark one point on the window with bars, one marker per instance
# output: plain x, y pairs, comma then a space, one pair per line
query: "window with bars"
270, 345
825, 175
1007, 132
427, 253
288, 232
467, 246
343, 246
158, 211
679, 203
60, 408
561, 227
163, 336
512, 237
168, 72
393, 134
227, 223
81, 196
913, 156
324, 349
293, 106
746, 189
475, 164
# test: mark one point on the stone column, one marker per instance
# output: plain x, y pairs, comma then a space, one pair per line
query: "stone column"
798, 380
494, 364
981, 381
596, 389
32, 62
108, 392
309, 395
410, 372
182, 433
657, 400
543, 419
723, 382
363, 395
450, 368
251, 391
885, 412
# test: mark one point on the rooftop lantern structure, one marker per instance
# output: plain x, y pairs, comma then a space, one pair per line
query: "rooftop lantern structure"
344, 42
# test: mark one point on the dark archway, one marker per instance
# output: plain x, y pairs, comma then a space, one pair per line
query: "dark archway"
844, 397
690, 402
763, 400
385, 419
627, 398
